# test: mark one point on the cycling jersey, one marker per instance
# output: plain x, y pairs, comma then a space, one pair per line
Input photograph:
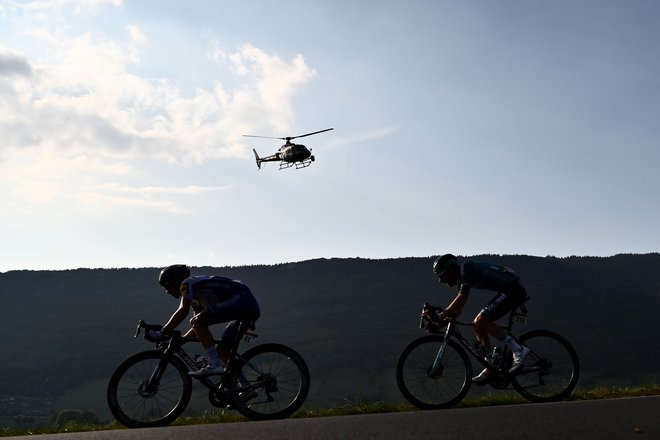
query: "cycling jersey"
487, 276
225, 299
501, 279
206, 291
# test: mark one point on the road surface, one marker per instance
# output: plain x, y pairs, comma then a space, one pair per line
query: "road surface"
599, 419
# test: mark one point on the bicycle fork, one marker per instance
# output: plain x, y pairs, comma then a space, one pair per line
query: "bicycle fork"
149, 387
437, 367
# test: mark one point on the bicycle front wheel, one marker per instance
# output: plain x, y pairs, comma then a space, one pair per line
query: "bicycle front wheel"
550, 372
138, 400
273, 382
428, 389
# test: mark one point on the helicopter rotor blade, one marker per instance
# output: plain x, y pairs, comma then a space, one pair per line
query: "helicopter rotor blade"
263, 137
308, 134
288, 138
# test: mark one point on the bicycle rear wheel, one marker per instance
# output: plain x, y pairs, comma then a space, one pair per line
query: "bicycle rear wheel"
134, 399
427, 390
273, 380
550, 372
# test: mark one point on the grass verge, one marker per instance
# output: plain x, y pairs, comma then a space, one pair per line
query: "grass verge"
353, 408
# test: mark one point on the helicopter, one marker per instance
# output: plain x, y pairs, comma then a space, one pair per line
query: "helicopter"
289, 154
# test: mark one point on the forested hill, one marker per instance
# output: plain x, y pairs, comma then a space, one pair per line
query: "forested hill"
66, 331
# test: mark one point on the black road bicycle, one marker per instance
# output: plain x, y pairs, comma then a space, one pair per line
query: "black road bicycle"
435, 372
153, 388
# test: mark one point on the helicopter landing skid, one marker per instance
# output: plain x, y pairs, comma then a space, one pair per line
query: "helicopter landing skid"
299, 164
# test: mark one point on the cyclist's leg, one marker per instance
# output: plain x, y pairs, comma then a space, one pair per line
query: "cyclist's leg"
228, 337
484, 325
200, 326
242, 307
484, 322
511, 297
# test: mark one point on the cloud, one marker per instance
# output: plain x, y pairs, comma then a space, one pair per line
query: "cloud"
88, 84
136, 34
109, 203
69, 186
362, 137
269, 85
111, 196
151, 190
81, 112
13, 63
45, 9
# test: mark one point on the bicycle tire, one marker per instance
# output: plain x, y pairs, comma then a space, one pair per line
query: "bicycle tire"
276, 379
136, 407
551, 370
443, 390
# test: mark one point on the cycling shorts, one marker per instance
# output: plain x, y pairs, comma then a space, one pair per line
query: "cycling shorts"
241, 307
508, 299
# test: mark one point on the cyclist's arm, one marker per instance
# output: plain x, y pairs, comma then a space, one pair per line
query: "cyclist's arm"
455, 308
190, 333
178, 316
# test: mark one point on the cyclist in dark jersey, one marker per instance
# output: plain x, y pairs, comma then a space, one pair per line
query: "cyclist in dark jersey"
214, 299
487, 276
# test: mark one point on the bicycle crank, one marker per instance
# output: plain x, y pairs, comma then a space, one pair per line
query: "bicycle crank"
500, 382
219, 398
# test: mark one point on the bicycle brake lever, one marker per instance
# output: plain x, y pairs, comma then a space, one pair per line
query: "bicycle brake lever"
423, 320
139, 328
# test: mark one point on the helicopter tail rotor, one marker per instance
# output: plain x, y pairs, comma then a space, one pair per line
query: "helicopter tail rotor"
256, 156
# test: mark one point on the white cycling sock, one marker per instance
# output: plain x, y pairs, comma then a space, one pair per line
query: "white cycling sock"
214, 358
512, 344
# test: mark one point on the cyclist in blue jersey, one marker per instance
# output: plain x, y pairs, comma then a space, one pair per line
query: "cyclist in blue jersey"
488, 276
214, 299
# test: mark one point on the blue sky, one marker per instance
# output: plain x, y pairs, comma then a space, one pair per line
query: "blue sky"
508, 127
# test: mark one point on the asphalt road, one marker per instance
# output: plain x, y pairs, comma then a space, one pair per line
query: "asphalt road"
599, 419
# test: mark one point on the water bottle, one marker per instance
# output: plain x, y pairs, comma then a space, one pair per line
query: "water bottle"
497, 356
201, 361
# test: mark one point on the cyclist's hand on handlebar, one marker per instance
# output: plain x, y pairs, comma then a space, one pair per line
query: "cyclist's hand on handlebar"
155, 336
431, 321
429, 315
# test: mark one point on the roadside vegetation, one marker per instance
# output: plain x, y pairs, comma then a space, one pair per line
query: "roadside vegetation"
352, 408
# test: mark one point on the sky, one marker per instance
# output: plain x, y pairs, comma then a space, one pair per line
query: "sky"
470, 127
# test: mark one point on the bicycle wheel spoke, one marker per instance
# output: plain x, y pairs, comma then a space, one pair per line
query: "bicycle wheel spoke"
551, 370
276, 382
136, 403
429, 389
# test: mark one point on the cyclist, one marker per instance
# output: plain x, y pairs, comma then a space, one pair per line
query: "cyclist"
487, 276
214, 299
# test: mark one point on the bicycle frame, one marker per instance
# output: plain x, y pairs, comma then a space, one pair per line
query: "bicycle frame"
452, 330
154, 387
175, 347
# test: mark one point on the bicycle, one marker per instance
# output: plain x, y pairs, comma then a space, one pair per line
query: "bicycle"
434, 371
153, 388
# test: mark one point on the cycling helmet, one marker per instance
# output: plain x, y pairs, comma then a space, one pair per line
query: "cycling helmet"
441, 264
173, 274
